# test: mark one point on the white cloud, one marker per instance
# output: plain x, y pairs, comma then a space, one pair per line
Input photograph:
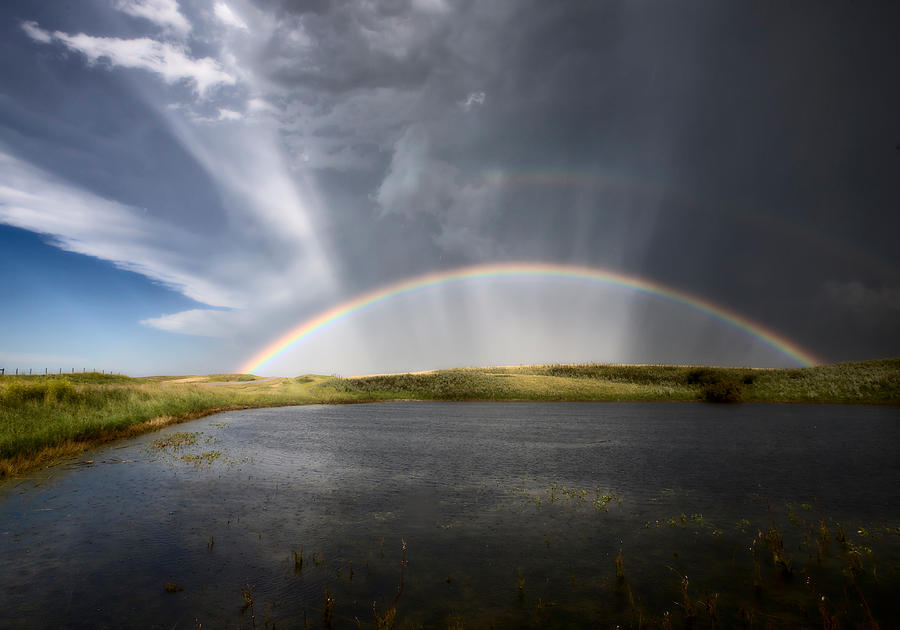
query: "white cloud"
36, 33
251, 258
473, 99
264, 237
171, 62
416, 182
247, 164
259, 105
81, 222
228, 114
165, 13
227, 16
198, 321
419, 182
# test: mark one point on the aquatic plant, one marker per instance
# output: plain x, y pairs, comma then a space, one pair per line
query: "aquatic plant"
825, 536
385, 621
855, 563
757, 575
793, 517
200, 460
841, 535
712, 609
774, 541
327, 608
688, 608
175, 441
247, 594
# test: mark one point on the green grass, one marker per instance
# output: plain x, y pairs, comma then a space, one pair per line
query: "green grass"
868, 382
225, 378
39, 414
68, 412
505, 384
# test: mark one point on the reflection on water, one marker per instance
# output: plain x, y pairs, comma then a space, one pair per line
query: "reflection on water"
511, 513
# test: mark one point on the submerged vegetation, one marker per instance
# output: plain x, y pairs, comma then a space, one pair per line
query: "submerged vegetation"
44, 418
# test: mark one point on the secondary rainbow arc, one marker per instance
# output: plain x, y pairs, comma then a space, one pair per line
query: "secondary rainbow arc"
524, 269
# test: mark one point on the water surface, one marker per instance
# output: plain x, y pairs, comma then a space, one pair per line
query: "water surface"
511, 513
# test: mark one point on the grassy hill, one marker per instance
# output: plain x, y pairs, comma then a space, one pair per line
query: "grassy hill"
44, 418
868, 382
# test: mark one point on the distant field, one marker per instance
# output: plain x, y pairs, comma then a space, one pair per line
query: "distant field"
869, 382
44, 418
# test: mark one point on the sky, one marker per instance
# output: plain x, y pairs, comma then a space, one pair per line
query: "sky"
184, 182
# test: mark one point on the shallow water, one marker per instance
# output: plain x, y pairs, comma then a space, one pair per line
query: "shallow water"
487, 498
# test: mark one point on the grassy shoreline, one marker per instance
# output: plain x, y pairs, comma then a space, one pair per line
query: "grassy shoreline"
47, 418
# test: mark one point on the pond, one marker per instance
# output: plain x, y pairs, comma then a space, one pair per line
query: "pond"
467, 515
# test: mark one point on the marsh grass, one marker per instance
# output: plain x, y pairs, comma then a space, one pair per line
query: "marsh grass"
505, 384
247, 594
44, 419
327, 608
875, 382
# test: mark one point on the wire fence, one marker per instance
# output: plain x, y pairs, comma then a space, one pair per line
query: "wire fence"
49, 372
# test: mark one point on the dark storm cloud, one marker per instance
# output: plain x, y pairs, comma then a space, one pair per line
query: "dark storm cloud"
746, 153
345, 48
792, 141
561, 88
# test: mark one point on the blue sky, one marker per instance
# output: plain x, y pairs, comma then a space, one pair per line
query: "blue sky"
182, 182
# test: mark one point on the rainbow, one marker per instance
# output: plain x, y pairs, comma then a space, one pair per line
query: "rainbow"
338, 312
